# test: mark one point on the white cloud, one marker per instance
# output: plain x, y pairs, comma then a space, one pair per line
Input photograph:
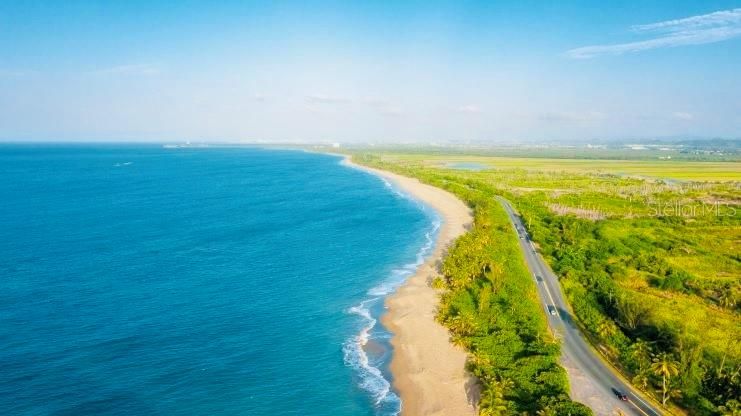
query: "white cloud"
8, 73
130, 69
693, 30
384, 107
720, 18
681, 115
325, 99
391, 110
573, 117
376, 102
469, 109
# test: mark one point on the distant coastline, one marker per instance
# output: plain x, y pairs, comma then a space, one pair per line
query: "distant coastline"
428, 370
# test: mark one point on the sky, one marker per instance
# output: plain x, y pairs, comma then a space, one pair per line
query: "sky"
351, 71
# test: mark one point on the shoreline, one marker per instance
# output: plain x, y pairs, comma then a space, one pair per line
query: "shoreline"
428, 370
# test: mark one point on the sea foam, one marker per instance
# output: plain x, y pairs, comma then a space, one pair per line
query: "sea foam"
370, 377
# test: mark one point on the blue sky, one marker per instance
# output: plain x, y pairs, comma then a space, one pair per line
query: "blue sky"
360, 71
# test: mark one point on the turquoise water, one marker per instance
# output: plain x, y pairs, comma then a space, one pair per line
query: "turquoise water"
467, 166
233, 281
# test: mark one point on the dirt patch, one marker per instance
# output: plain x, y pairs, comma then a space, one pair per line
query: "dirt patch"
581, 212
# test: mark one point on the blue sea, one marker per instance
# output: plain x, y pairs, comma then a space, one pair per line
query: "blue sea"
143, 280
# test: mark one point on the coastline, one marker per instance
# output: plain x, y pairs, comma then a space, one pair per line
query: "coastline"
428, 370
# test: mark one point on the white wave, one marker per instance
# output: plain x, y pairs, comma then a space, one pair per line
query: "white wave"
399, 276
362, 309
371, 378
396, 190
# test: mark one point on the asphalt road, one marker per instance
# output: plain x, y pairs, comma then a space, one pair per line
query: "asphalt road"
574, 347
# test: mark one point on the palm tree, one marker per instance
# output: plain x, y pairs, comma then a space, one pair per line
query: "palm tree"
605, 329
463, 325
630, 313
495, 271
546, 411
493, 410
727, 300
506, 385
480, 366
641, 380
674, 392
731, 408
641, 352
666, 367
493, 402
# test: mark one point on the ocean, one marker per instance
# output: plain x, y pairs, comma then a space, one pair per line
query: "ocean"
143, 280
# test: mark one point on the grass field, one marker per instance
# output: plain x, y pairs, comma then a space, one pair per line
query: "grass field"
680, 170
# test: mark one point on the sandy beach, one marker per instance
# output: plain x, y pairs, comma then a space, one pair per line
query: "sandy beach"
429, 371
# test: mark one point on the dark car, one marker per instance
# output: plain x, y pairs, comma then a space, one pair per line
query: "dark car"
622, 396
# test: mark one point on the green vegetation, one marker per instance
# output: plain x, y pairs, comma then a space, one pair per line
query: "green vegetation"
671, 169
703, 150
651, 268
491, 307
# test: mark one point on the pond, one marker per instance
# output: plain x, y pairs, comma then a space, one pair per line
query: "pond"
467, 166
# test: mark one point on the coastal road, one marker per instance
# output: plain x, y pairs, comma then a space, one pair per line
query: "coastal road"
577, 355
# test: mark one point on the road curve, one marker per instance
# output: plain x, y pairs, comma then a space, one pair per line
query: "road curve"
577, 354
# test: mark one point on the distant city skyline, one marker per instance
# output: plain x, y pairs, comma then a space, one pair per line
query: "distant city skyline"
345, 72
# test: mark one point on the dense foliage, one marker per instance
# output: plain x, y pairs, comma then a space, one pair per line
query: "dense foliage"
490, 306
659, 354
650, 272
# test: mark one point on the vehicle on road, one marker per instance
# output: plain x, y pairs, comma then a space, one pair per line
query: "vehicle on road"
620, 395
574, 345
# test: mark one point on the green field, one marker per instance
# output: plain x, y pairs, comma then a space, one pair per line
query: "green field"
680, 170
648, 251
